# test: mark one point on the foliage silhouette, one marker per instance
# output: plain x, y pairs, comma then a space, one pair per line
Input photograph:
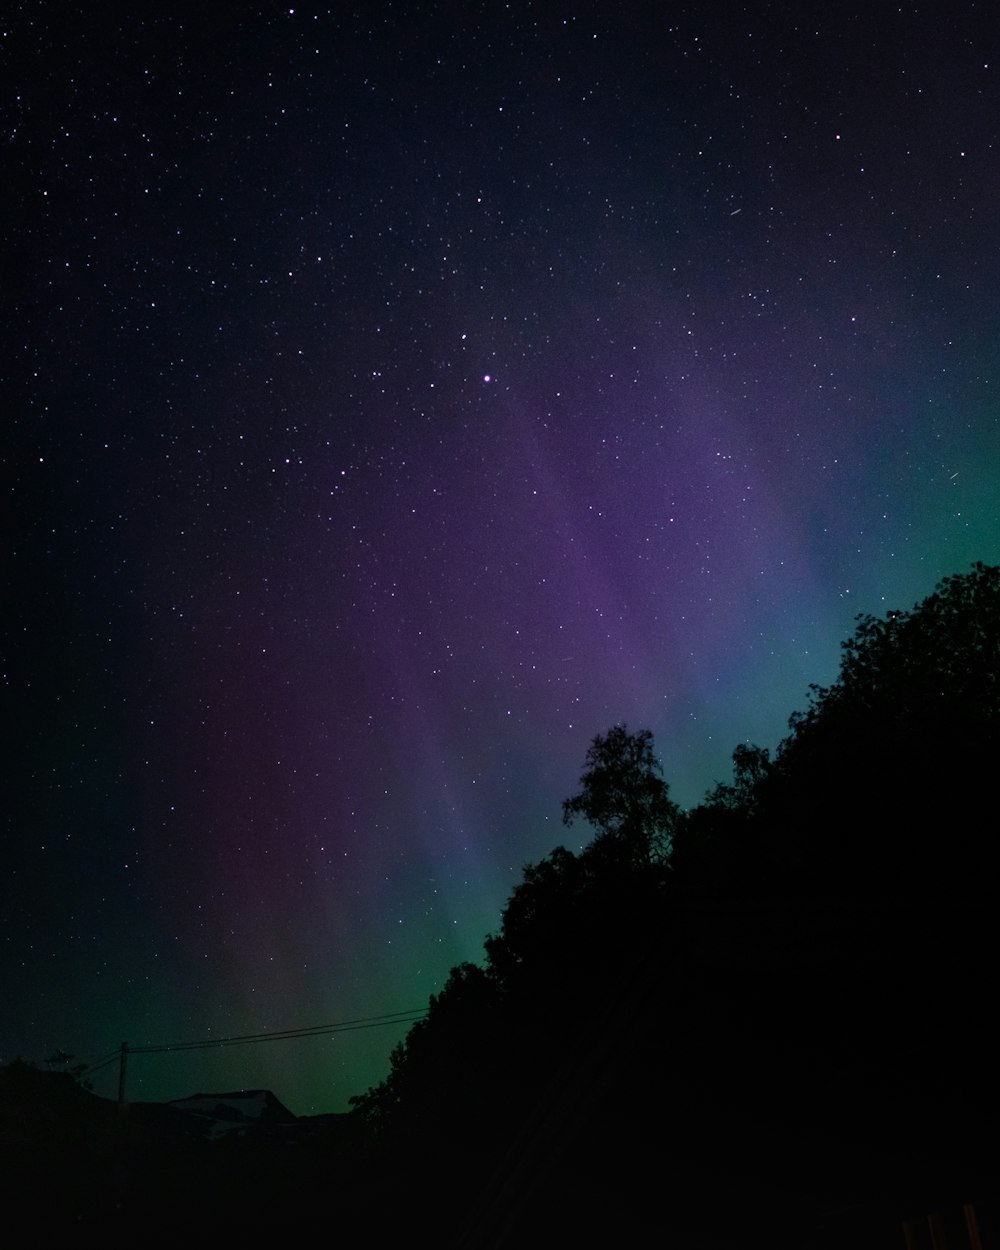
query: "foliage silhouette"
495, 1035
626, 800
785, 929
716, 849
879, 786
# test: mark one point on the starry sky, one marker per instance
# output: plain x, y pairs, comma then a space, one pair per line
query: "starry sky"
394, 397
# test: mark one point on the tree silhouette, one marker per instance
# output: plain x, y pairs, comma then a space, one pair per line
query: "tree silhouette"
626, 800
539, 919
716, 849
493, 1035
878, 787
826, 903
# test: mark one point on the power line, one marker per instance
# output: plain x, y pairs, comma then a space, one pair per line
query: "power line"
315, 1030
409, 1016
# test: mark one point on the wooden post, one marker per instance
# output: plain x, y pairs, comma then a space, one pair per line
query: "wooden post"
910, 1235
972, 1226
939, 1239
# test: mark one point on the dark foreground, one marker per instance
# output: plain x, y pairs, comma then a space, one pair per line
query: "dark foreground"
713, 1175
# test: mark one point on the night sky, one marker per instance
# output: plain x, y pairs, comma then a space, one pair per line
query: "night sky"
396, 396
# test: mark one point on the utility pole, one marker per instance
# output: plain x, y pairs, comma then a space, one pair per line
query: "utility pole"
122, 1067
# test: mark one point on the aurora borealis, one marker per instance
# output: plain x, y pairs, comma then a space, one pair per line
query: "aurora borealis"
396, 397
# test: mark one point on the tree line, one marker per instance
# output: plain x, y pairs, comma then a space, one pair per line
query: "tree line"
783, 980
